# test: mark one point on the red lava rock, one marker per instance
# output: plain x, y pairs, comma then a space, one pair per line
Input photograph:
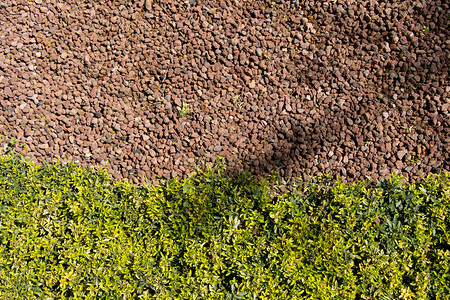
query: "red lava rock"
317, 85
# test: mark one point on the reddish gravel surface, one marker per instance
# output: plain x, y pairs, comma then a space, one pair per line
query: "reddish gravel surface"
355, 87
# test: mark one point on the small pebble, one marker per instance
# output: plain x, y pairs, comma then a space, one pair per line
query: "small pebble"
259, 52
401, 153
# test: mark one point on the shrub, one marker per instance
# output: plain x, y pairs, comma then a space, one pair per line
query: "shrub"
69, 232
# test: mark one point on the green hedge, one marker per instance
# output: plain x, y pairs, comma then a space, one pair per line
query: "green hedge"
68, 232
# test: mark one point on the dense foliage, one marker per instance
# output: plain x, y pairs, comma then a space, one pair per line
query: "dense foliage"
68, 232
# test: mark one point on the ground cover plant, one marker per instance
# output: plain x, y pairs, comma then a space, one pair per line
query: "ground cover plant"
69, 232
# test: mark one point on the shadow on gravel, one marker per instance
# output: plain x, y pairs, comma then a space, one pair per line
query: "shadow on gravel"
297, 148
411, 74
302, 148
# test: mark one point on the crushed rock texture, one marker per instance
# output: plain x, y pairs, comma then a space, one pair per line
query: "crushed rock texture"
152, 89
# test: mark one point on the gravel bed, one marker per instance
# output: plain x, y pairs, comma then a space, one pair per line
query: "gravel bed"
152, 89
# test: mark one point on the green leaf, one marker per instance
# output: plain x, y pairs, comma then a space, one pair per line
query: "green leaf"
186, 188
